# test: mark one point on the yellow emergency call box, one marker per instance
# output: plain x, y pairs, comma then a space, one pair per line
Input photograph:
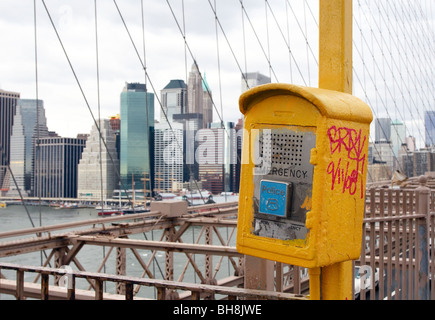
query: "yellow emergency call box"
303, 175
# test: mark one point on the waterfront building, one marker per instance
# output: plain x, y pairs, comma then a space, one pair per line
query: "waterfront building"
174, 99
168, 153
253, 79
199, 96
8, 102
98, 170
29, 124
137, 136
56, 174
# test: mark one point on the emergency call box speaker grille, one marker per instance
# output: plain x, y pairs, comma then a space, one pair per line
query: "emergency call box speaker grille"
282, 148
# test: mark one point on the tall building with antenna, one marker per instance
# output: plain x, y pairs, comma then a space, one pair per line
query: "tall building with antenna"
199, 96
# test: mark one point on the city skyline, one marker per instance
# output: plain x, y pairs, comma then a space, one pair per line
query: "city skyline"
168, 37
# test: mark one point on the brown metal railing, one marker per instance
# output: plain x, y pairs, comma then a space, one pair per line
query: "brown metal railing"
166, 289
397, 245
398, 231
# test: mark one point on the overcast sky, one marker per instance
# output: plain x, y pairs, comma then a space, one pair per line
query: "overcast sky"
272, 31
165, 54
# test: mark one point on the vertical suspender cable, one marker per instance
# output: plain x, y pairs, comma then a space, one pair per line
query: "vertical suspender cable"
99, 118
98, 102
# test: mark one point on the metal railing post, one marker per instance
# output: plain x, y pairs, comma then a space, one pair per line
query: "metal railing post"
422, 250
259, 273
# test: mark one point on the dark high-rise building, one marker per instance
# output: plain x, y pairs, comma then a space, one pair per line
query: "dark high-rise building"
429, 123
137, 137
8, 102
383, 129
56, 174
174, 99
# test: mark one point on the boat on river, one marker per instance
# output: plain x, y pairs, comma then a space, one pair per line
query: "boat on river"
110, 212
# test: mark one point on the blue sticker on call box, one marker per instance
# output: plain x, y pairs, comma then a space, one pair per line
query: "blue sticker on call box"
274, 197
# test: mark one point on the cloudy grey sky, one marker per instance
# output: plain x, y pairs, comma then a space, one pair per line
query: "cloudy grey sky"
393, 52
165, 54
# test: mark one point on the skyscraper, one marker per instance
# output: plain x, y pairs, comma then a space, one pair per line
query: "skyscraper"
253, 79
168, 151
217, 156
8, 102
27, 127
97, 175
429, 123
383, 129
174, 99
199, 96
56, 174
137, 136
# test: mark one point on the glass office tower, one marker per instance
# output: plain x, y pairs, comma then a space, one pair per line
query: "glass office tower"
24, 133
137, 137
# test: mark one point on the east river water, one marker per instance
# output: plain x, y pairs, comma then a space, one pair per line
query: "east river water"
15, 217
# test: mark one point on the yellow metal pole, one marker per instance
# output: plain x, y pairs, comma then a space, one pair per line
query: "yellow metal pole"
335, 73
335, 45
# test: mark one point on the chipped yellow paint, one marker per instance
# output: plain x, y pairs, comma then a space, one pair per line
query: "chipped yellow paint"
307, 203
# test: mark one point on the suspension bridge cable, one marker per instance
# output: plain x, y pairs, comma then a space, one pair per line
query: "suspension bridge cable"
147, 112
418, 91
287, 42
37, 164
82, 92
152, 86
99, 115
244, 42
267, 37
98, 101
304, 34
290, 55
258, 40
377, 67
367, 98
376, 90
218, 63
